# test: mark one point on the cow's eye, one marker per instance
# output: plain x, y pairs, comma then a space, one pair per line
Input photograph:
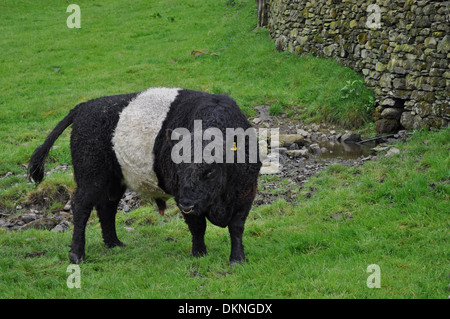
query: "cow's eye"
209, 174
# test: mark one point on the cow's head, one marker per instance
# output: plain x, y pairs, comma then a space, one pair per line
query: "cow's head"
201, 179
200, 186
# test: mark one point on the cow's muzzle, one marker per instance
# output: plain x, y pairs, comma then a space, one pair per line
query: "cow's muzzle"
186, 208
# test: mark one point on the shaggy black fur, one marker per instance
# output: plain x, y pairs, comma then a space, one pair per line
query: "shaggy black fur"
222, 193
96, 170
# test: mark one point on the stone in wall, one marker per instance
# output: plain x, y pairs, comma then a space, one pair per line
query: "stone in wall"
403, 55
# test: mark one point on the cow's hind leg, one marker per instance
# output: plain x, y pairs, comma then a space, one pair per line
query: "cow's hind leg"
84, 200
106, 211
82, 204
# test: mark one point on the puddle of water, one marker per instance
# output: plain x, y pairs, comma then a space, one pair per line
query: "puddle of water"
345, 151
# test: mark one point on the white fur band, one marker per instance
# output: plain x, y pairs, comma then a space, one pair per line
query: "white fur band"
134, 138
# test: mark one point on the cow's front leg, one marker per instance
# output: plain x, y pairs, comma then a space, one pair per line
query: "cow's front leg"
197, 227
236, 229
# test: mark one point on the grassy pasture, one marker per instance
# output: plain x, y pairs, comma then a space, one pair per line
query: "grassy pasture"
394, 212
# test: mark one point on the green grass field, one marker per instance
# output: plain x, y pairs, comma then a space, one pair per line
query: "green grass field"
395, 211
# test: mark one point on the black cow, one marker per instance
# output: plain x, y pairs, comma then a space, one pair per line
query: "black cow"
126, 141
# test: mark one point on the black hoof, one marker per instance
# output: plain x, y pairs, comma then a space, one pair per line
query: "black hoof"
199, 253
238, 261
117, 243
75, 259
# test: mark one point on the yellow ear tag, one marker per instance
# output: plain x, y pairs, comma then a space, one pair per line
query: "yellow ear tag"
234, 148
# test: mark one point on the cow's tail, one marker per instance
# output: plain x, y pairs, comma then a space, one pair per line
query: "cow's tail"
36, 166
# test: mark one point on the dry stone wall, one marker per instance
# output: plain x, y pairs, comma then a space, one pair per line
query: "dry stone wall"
402, 48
